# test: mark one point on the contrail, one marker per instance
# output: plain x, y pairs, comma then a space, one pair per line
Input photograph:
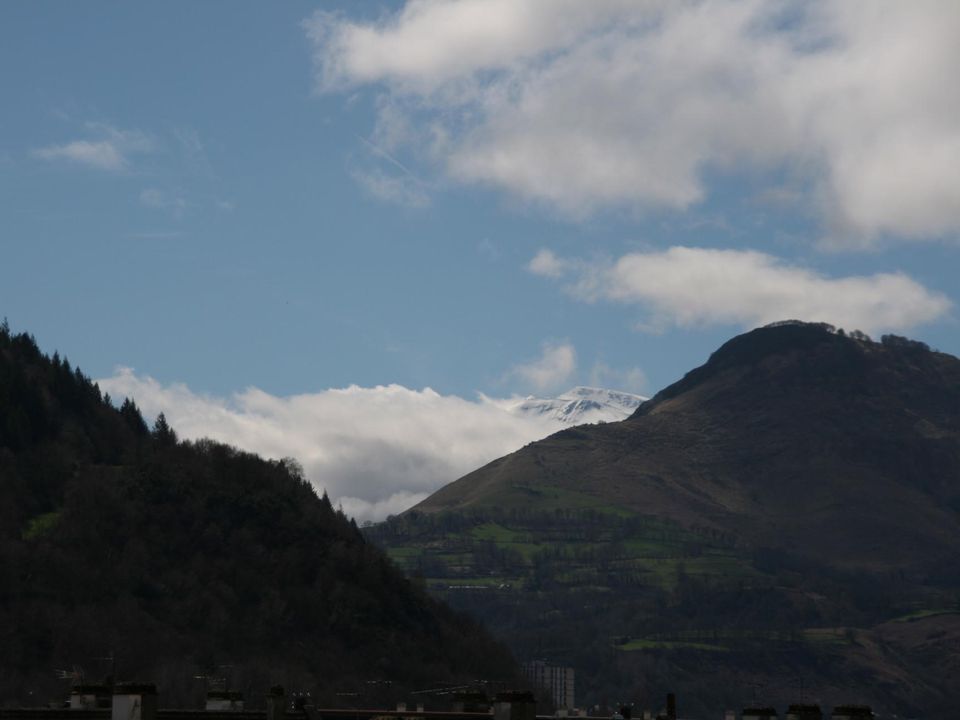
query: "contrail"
387, 156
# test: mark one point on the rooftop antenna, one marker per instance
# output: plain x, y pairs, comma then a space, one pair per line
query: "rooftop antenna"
75, 675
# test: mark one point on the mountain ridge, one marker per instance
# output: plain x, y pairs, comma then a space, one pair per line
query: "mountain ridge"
764, 403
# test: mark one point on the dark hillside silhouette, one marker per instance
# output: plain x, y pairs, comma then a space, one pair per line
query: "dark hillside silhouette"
177, 558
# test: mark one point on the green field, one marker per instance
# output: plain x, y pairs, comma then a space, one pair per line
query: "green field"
668, 645
583, 547
920, 614
41, 525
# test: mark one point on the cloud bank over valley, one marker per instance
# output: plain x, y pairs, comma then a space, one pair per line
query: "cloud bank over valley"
376, 450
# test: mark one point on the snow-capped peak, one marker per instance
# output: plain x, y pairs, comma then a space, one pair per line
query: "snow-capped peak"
580, 405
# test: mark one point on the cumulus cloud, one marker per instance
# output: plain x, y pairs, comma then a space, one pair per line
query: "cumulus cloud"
620, 103
110, 149
375, 450
689, 287
552, 370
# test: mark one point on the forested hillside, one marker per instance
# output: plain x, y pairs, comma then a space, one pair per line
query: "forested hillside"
184, 559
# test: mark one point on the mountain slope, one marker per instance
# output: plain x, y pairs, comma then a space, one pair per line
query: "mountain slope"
789, 509
841, 449
178, 559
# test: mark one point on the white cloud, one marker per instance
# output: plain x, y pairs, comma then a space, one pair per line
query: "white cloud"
376, 450
553, 369
546, 264
102, 154
366, 510
619, 103
429, 42
691, 287
111, 150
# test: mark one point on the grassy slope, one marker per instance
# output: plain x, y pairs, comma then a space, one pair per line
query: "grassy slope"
845, 449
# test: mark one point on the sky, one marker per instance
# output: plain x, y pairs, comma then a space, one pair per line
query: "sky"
344, 231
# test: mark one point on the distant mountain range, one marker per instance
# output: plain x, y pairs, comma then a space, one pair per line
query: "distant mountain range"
789, 509
578, 406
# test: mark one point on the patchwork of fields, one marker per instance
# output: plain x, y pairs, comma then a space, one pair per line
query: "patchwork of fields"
619, 596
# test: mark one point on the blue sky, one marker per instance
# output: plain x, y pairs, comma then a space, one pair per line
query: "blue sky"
467, 195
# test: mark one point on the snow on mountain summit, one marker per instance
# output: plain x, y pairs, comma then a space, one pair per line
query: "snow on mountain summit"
579, 405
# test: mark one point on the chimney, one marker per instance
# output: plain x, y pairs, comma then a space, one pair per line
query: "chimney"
90, 697
134, 701
514, 706
276, 703
471, 701
224, 701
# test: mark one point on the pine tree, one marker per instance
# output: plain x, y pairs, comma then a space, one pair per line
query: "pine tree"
162, 432
131, 414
